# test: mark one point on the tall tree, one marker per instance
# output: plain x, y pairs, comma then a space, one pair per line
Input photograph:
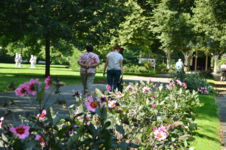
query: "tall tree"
209, 21
49, 21
171, 25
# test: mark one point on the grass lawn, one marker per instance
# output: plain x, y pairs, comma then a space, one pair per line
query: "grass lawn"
207, 137
9, 73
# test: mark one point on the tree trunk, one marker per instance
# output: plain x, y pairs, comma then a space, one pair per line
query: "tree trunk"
47, 53
187, 57
206, 63
215, 68
196, 59
168, 61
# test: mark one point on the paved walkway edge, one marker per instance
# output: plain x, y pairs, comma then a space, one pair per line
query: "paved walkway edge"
221, 101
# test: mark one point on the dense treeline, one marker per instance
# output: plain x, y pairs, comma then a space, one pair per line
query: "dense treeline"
147, 28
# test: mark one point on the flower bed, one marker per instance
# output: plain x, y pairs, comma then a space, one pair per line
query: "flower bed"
144, 116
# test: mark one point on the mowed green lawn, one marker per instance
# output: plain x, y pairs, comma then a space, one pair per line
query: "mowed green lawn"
11, 74
208, 133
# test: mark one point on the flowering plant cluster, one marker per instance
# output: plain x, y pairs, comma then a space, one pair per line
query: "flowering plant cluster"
198, 83
159, 117
203, 90
144, 116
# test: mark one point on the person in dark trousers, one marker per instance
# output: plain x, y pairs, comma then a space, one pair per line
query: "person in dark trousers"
114, 67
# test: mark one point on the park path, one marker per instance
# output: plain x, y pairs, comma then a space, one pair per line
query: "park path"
221, 101
12, 105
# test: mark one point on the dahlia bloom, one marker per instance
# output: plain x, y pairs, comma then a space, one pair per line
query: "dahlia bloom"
161, 133
179, 82
31, 86
184, 85
22, 90
112, 104
108, 87
41, 140
129, 88
91, 104
153, 105
1, 120
171, 84
42, 116
146, 90
47, 82
119, 94
22, 131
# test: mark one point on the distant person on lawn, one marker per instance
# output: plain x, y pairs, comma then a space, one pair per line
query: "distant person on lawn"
179, 65
17, 60
180, 70
114, 66
88, 63
223, 72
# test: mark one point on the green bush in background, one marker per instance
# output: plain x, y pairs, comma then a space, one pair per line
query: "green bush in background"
74, 58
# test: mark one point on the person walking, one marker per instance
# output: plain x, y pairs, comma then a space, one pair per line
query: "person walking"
223, 72
114, 66
88, 62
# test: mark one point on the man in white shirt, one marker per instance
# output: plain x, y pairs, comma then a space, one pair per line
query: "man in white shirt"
179, 65
114, 66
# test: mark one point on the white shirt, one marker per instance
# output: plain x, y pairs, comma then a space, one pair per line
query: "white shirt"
179, 65
114, 59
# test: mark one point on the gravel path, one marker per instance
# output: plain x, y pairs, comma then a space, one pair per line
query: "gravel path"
221, 101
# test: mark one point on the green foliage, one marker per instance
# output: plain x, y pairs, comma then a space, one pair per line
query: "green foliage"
78, 22
198, 83
135, 32
209, 22
172, 26
115, 120
74, 59
161, 68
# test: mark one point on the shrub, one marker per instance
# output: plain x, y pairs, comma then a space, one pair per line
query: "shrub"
159, 117
198, 83
145, 116
73, 60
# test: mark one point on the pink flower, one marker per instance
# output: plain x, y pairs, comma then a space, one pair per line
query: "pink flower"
21, 90
108, 87
146, 90
129, 88
47, 82
41, 140
184, 85
22, 131
112, 104
1, 121
91, 105
42, 116
119, 94
171, 84
179, 82
161, 133
153, 105
31, 86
